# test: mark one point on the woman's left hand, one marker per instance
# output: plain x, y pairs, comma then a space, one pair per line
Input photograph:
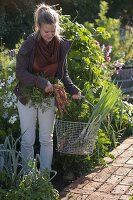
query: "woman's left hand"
77, 96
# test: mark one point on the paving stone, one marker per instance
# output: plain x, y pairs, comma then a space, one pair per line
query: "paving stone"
127, 181
91, 176
128, 140
127, 154
108, 160
110, 169
118, 164
120, 189
130, 173
65, 196
124, 197
78, 183
81, 184
124, 157
74, 197
117, 152
130, 148
88, 190
124, 146
111, 197
95, 184
121, 171
113, 182
114, 179
103, 196
121, 159
82, 197
130, 191
130, 161
101, 177
106, 187
96, 196
128, 166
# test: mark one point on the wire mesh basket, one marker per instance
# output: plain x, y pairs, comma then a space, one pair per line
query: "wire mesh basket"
76, 137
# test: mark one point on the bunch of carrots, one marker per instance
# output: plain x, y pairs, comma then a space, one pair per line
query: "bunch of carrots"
61, 98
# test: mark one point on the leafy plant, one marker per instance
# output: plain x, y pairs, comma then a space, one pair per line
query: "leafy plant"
8, 100
15, 184
12, 158
91, 71
32, 186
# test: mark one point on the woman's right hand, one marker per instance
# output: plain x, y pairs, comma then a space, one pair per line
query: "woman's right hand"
49, 88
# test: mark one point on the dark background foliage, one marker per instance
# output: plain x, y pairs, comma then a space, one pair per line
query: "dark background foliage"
16, 17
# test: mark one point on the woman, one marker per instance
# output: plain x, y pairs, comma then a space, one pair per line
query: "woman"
44, 51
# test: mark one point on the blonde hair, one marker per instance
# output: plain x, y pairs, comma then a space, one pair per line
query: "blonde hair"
44, 14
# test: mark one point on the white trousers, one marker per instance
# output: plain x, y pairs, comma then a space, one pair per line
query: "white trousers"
28, 116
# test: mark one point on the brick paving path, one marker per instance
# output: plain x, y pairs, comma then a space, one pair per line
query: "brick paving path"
115, 181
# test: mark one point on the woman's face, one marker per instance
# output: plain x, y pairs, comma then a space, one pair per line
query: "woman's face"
47, 32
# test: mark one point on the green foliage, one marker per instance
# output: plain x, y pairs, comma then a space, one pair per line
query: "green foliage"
41, 189
106, 103
102, 146
16, 20
16, 17
87, 10
122, 46
11, 162
29, 188
86, 63
15, 184
8, 100
37, 97
91, 72
121, 9
85, 57
82, 10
